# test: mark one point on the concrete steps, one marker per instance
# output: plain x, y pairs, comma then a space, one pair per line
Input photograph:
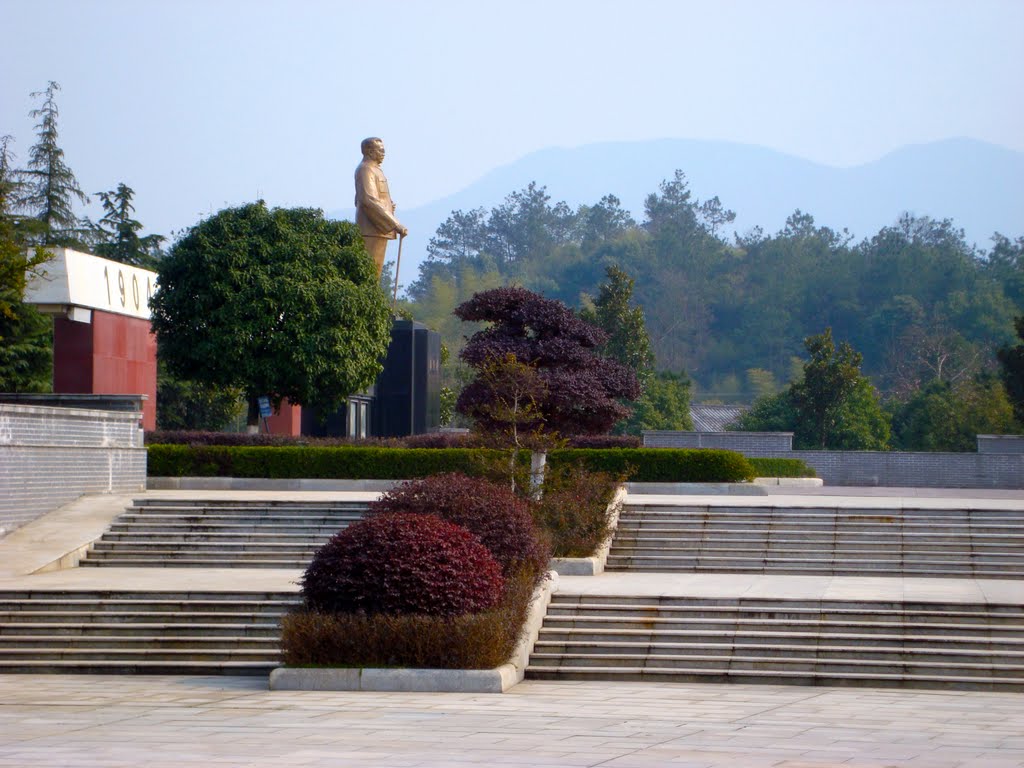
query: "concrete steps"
141, 632
919, 645
820, 541
183, 533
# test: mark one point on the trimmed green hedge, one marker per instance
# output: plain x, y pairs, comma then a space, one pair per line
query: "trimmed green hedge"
782, 468
313, 461
660, 465
667, 465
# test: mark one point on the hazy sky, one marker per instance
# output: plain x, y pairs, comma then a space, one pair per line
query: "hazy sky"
199, 104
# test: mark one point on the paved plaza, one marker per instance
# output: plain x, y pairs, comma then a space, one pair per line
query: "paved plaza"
160, 722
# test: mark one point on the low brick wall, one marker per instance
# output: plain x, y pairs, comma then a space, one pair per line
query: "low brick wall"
52, 455
898, 469
743, 442
1000, 443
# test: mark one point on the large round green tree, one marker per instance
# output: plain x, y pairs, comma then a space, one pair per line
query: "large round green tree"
276, 302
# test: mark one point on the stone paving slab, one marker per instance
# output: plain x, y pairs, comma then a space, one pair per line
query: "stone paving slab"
85, 722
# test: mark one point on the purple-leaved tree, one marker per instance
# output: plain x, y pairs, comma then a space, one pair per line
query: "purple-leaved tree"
581, 389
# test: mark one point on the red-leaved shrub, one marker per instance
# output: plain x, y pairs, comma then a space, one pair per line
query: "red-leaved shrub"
604, 441
442, 440
574, 509
492, 512
403, 564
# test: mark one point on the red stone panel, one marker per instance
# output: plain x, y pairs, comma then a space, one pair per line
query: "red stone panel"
112, 355
287, 421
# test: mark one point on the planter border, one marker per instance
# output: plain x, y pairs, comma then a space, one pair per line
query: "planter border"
496, 680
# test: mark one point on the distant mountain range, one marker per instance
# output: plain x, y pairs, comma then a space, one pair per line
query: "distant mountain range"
979, 186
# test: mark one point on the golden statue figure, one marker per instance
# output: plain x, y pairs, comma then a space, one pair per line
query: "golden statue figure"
375, 212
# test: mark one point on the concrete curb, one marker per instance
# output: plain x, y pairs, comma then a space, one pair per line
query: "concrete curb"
756, 488
497, 680
593, 565
792, 482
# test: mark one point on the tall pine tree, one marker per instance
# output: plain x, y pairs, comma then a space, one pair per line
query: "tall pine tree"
25, 357
50, 185
628, 341
118, 232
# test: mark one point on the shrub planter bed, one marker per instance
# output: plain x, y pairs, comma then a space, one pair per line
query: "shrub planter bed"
496, 680
593, 565
678, 465
441, 586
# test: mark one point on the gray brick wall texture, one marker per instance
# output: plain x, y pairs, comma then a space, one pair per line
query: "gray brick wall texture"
1000, 443
896, 469
731, 441
50, 456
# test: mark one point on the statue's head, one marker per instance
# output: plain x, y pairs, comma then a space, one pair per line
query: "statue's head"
372, 148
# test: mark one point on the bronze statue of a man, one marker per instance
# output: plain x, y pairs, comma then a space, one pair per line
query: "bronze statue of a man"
375, 212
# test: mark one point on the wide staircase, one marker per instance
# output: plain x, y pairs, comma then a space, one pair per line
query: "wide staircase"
676, 639
181, 533
811, 642
174, 632
141, 632
820, 541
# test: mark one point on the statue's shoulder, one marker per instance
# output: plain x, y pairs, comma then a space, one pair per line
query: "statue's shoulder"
367, 168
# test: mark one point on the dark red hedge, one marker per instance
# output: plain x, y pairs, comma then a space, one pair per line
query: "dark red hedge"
403, 564
492, 512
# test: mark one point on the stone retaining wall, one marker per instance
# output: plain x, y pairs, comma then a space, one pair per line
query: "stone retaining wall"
52, 455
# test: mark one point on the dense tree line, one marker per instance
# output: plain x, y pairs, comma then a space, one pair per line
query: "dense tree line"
921, 306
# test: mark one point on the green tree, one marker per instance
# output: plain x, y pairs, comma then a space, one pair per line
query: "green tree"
184, 404
761, 382
460, 238
830, 378
118, 233
945, 417
526, 225
25, 335
602, 222
50, 185
771, 413
279, 302
1006, 264
624, 324
665, 404
1011, 370
861, 425
832, 406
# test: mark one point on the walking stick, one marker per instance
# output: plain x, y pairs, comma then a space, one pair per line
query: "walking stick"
398, 264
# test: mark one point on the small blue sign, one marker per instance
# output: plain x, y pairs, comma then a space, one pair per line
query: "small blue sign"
265, 410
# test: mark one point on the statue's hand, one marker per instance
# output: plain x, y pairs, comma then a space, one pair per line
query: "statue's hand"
403, 231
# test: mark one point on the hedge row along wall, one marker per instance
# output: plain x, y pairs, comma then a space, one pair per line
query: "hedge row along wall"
665, 465
781, 467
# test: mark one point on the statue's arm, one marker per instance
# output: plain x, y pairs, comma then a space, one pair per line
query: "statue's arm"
378, 213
